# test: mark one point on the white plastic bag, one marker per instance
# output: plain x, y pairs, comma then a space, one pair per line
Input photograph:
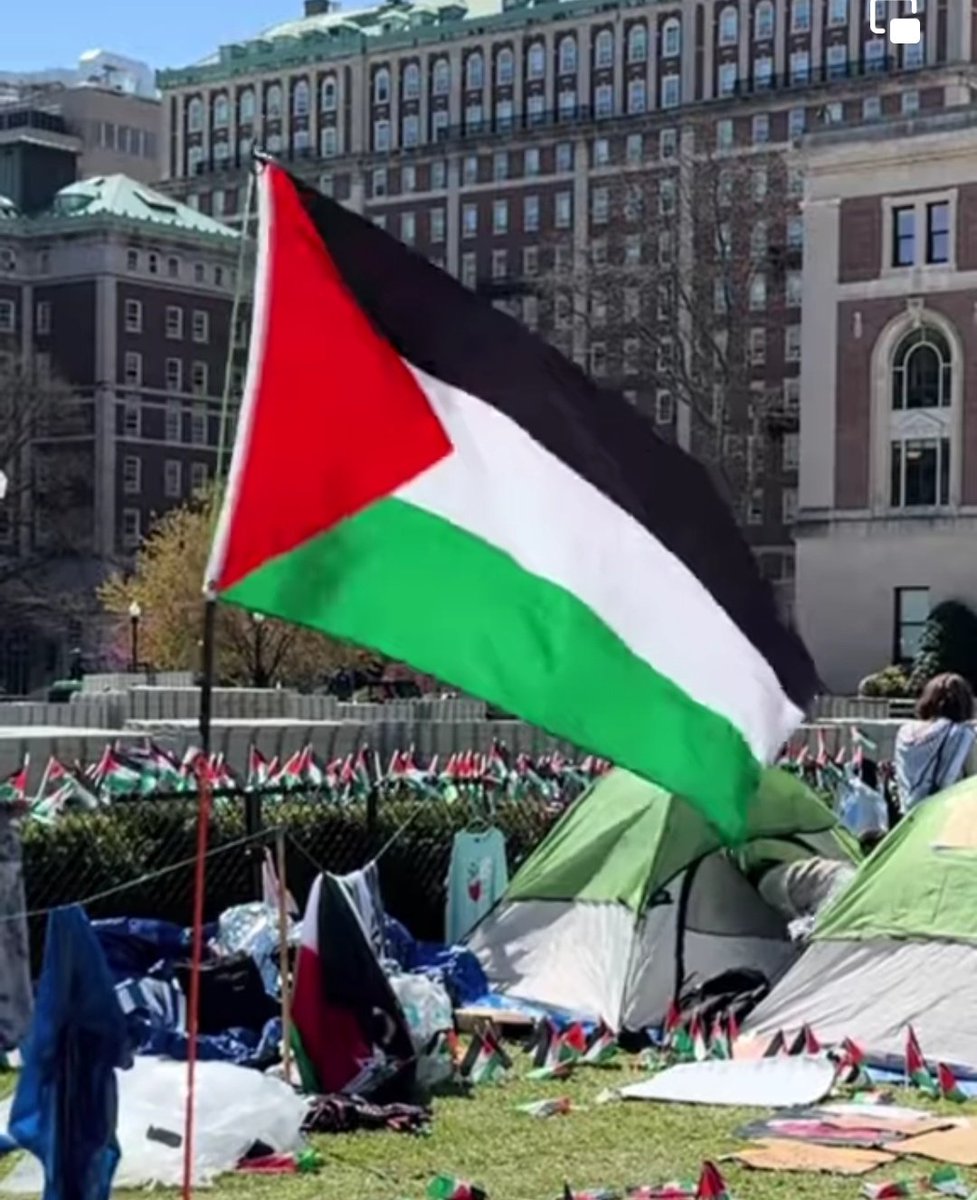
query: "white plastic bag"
861, 809
427, 1009
235, 1107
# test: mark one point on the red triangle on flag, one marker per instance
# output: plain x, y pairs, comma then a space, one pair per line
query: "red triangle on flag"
298, 293
915, 1062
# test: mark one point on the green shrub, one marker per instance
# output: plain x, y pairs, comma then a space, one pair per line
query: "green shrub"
890, 683
949, 643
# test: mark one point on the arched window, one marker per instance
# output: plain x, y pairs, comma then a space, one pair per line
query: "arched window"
638, 43
195, 115
568, 55
921, 421
921, 370
442, 77
273, 101
247, 106
505, 67
328, 94
300, 99
672, 38
474, 72
729, 25
763, 21
222, 112
536, 61
381, 86
412, 81
604, 49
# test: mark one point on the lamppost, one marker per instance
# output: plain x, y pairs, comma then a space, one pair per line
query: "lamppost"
258, 679
135, 612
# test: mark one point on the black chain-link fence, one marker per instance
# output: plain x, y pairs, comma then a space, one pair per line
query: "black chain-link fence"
135, 858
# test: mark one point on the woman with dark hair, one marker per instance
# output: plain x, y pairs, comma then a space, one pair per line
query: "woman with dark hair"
932, 751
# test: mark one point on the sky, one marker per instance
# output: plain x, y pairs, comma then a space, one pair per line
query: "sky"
168, 34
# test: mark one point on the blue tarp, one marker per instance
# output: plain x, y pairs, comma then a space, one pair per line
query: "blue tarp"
65, 1108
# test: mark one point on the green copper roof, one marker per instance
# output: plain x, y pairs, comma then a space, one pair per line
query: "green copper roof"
120, 197
922, 880
397, 24
625, 838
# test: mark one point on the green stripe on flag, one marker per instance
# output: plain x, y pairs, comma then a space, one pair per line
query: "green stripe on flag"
410, 584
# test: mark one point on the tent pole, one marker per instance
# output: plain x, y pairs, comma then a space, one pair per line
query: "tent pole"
205, 797
283, 956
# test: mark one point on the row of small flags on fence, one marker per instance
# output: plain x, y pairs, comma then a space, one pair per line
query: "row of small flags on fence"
142, 772
823, 769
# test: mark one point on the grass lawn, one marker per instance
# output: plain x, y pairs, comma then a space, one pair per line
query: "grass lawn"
516, 1157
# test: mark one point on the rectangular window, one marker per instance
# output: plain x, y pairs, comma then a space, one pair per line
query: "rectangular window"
201, 326
439, 175
634, 149
792, 394
198, 378
381, 135
199, 475
131, 420
912, 610
920, 473
603, 100
437, 219
800, 16
173, 479
664, 407
791, 451
173, 424
174, 322
8, 316
796, 122
131, 475
667, 193
754, 509
838, 12
758, 292
530, 214
500, 216
174, 375
909, 103
469, 220
500, 166
408, 228
671, 88
598, 359
530, 261
530, 311
668, 144
132, 368
792, 343
631, 358
631, 306
563, 210
837, 59
469, 270
410, 130
724, 134
601, 152
600, 205
788, 506
378, 183
328, 141
758, 346
564, 157
632, 250
198, 426
42, 315
903, 236
500, 264
530, 161
871, 108
131, 528
938, 232
794, 289
761, 129
800, 67
637, 96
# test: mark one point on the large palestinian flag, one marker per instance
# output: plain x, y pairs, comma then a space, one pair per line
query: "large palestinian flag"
416, 472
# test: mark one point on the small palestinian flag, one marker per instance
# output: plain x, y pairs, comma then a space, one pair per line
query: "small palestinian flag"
947, 1082
719, 1044
732, 1029
776, 1046
573, 1043
804, 1043
586, 550
541, 1109
544, 1036
944, 1181
917, 1072
673, 1021
700, 1048
485, 1061
711, 1184
682, 1044
602, 1047
13, 789
850, 1060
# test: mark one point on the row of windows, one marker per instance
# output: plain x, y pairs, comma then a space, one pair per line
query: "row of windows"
173, 322
756, 509
173, 425
173, 374
173, 477
153, 264
475, 75
126, 139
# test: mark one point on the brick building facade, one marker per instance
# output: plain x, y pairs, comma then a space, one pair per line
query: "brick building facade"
887, 521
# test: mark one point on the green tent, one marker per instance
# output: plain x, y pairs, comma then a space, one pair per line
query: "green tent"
633, 896
899, 946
